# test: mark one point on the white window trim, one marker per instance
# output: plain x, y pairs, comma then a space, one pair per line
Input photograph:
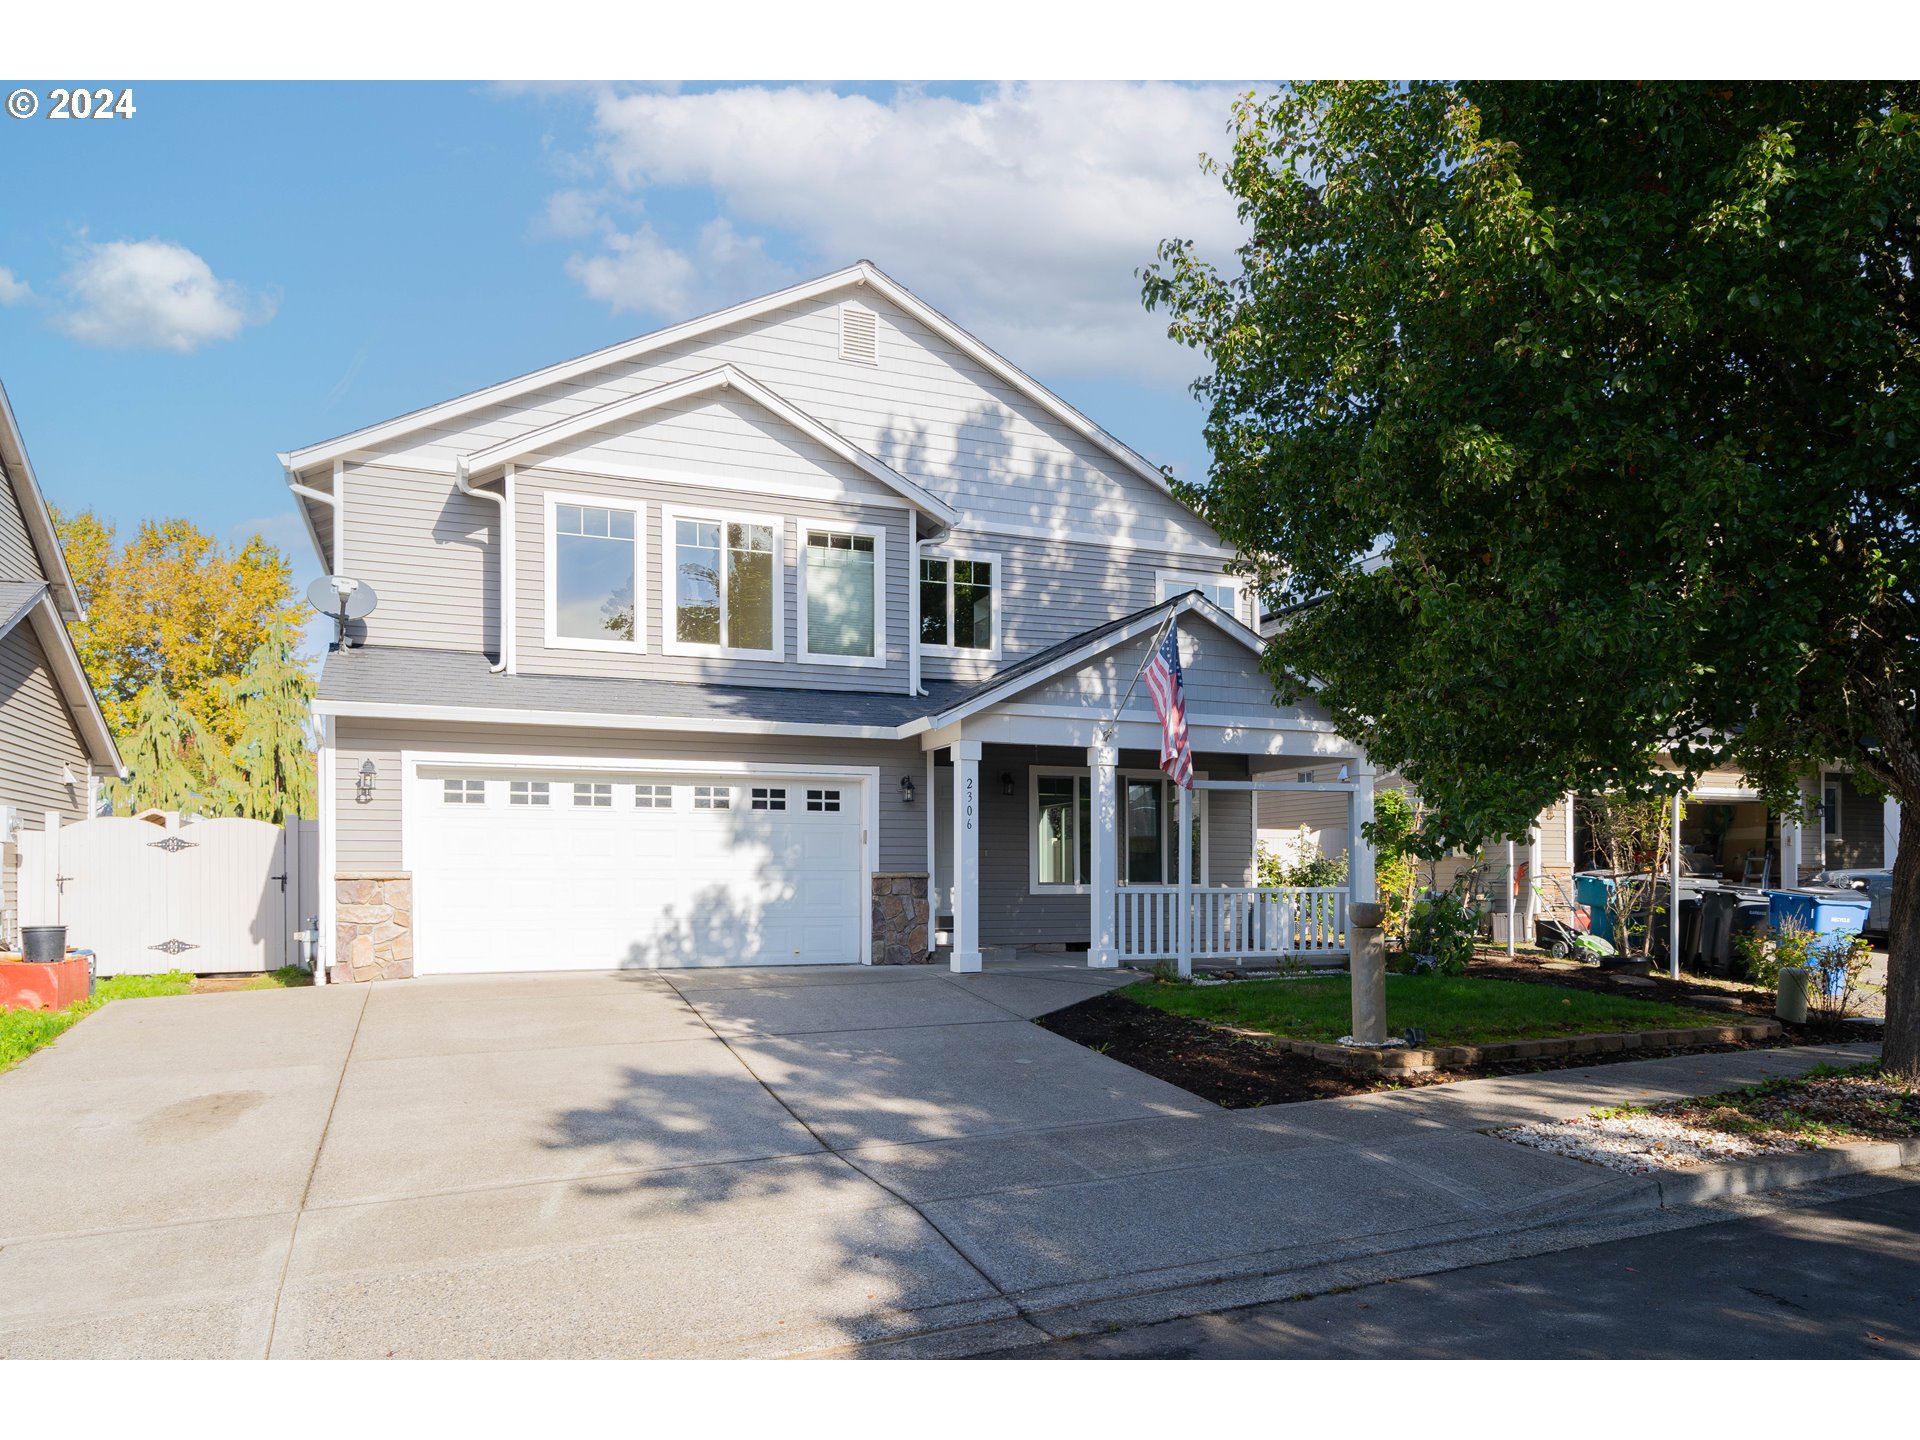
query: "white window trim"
1830, 824
1201, 580
638, 508
670, 643
878, 534
1172, 801
961, 652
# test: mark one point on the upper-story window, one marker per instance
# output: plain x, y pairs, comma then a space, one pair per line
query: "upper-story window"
594, 575
722, 585
843, 610
1222, 590
959, 611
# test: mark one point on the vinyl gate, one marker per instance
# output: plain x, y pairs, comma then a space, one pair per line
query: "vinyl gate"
221, 896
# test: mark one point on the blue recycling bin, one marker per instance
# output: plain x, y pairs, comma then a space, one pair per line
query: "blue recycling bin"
1824, 912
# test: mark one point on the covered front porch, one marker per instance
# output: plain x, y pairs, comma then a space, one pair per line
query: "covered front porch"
1049, 822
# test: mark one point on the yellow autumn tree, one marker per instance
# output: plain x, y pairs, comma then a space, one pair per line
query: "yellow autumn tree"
173, 607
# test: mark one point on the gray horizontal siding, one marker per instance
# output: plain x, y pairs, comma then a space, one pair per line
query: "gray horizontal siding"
1220, 673
369, 831
534, 657
17, 558
37, 739
925, 409
429, 553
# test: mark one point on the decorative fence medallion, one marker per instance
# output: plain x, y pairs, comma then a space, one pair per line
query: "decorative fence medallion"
173, 844
174, 947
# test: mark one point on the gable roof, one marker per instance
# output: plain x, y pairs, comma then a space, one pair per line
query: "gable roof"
1088, 645
33, 508
723, 377
32, 603
861, 273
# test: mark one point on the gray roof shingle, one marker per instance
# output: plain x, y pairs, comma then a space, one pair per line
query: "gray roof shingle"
16, 596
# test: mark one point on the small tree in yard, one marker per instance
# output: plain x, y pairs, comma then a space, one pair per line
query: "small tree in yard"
270, 775
171, 764
1631, 835
1623, 380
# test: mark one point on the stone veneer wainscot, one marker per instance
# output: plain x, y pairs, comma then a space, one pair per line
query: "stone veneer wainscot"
373, 926
902, 919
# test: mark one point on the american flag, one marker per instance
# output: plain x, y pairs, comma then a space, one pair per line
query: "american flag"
1165, 685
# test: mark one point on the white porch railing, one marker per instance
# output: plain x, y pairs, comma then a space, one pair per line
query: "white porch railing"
1231, 922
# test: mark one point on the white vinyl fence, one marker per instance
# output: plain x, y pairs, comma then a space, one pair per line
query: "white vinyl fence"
153, 893
1232, 922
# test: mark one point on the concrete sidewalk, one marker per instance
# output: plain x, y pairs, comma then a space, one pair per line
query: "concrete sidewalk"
720, 1162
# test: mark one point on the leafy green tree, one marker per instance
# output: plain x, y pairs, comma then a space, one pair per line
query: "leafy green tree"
1623, 381
270, 775
171, 763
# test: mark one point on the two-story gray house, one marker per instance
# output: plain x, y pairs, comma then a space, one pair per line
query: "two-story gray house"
796, 633
54, 739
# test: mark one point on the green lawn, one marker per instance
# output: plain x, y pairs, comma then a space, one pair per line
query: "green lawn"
24, 1031
1452, 1010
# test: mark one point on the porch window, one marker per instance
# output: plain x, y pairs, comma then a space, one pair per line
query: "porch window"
593, 571
725, 585
1062, 830
957, 610
842, 622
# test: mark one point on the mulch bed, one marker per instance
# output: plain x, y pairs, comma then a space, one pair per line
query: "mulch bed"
1239, 1073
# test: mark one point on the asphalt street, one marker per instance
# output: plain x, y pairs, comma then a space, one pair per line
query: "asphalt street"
1839, 1281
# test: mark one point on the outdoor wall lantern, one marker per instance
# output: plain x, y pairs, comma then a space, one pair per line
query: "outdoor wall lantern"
363, 787
1006, 782
906, 790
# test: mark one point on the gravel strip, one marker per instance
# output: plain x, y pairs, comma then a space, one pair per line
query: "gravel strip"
1640, 1144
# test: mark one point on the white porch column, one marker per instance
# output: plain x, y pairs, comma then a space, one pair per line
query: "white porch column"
1789, 868
1889, 831
1360, 884
1673, 891
1102, 762
1184, 931
966, 856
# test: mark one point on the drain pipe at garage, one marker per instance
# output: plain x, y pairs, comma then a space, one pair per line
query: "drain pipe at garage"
504, 499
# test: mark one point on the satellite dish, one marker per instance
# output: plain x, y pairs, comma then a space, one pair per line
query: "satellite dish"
343, 598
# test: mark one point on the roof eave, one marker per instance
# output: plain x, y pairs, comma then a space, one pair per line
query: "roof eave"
33, 508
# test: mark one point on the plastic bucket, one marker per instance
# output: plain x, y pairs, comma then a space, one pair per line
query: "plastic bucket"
43, 944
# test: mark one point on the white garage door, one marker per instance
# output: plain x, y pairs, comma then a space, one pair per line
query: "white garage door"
535, 870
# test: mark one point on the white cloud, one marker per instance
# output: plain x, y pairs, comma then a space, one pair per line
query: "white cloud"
153, 294
12, 290
1024, 213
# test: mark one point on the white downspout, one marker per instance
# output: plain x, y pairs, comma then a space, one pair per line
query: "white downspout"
913, 616
466, 487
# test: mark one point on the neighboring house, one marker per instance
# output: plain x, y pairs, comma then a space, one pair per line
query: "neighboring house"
54, 740
786, 635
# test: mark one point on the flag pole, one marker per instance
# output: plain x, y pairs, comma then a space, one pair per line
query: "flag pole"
1145, 660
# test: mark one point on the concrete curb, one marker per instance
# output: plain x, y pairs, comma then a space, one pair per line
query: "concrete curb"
1752, 1177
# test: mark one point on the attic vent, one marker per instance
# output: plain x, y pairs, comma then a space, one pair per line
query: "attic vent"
859, 336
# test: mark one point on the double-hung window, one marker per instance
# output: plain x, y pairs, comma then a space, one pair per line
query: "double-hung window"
959, 612
843, 600
594, 574
722, 585
1222, 590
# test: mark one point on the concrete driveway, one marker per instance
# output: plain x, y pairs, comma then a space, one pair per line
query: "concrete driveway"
698, 1163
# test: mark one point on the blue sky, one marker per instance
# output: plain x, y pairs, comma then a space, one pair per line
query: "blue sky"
240, 268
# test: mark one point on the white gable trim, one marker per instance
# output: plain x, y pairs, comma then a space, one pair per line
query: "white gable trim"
864, 273
33, 509
723, 377
1188, 603
70, 677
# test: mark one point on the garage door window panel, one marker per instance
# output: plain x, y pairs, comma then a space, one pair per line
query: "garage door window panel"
595, 573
